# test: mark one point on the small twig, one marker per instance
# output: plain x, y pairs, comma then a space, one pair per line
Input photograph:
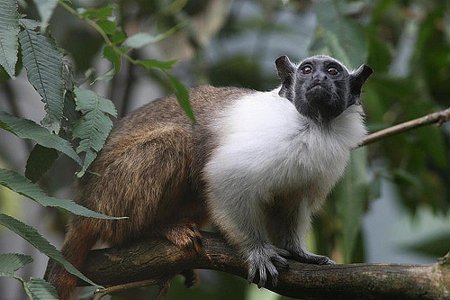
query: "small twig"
439, 117
98, 294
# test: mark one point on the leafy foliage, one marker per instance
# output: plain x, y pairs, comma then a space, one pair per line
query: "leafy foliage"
44, 68
94, 126
36, 288
232, 45
40, 160
34, 238
9, 28
23, 186
39, 289
11, 262
27, 129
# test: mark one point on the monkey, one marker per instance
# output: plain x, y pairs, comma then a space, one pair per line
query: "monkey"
256, 164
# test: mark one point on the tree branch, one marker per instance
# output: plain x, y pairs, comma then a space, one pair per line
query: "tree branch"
439, 117
157, 259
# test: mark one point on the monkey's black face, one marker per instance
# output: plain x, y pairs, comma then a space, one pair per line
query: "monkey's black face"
321, 88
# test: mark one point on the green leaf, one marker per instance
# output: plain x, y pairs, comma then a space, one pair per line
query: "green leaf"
39, 162
142, 39
87, 101
45, 9
97, 13
9, 29
34, 238
110, 54
11, 262
39, 289
94, 126
339, 36
25, 187
182, 96
350, 196
109, 27
156, 64
27, 129
44, 65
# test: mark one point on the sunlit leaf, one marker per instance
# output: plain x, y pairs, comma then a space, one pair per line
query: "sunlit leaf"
25, 187
9, 29
44, 64
34, 238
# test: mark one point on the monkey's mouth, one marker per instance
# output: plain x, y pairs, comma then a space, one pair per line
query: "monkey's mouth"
317, 85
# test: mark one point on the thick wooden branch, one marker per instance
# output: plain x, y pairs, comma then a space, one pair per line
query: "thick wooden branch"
159, 259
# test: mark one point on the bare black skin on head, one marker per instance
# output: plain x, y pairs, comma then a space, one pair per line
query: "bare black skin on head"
321, 87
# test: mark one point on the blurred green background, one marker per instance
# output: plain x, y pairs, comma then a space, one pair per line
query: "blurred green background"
393, 203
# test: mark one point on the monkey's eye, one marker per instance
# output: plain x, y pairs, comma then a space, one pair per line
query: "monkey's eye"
306, 70
332, 71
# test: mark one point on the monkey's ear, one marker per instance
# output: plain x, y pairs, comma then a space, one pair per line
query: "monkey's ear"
358, 78
285, 67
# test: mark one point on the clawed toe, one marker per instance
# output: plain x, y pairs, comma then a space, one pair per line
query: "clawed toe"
263, 263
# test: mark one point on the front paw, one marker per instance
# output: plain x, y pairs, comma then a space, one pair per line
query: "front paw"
262, 261
306, 257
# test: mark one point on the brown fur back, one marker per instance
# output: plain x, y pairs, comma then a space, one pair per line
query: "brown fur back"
149, 170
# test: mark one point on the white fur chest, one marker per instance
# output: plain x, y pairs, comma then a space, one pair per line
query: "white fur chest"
265, 145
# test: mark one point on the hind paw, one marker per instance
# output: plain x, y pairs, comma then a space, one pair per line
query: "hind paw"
185, 236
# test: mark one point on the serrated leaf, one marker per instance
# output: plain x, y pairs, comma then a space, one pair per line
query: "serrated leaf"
25, 187
351, 196
39, 289
9, 29
45, 9
182, 95
87, 100
39, 162
34, 238
156, 64
44, 65
94, 126
27, 129
11, 262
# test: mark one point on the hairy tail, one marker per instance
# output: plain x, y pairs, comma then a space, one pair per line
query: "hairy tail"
79, 240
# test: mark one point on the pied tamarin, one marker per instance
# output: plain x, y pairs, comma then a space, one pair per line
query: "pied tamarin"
256, 164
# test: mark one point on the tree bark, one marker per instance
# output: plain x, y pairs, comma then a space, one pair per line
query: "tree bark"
158, 259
